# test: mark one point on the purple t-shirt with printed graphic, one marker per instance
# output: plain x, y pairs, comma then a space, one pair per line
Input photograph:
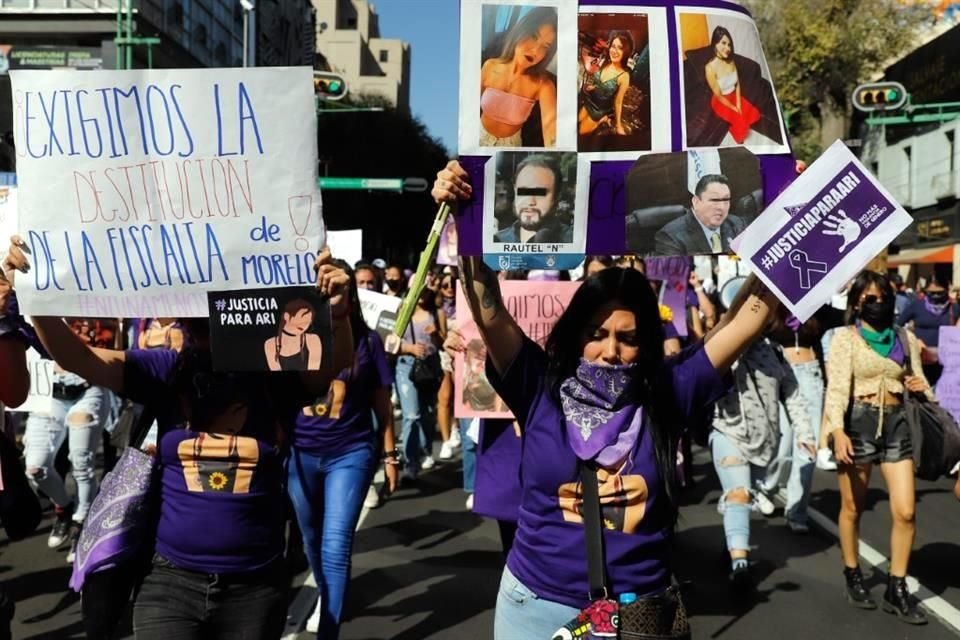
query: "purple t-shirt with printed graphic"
315, 434
222, 494
548, 552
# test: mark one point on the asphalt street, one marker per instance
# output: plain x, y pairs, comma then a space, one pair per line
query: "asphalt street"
425, 568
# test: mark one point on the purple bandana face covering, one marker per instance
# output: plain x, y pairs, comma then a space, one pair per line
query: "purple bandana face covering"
936, 309
602, 419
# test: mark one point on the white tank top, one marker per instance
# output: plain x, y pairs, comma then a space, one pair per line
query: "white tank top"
728, 82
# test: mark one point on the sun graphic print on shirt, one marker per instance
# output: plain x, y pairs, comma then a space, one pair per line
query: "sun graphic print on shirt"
219, 463
623, 500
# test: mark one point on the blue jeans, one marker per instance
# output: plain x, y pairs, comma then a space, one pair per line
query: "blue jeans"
469, 457
735, 472
522, 614
327, 492
790, 457
419, 417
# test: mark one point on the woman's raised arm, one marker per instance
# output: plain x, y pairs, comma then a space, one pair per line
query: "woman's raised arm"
746, 320
498, 329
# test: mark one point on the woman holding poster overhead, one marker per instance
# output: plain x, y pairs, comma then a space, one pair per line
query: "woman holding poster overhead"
516, 81
871, 366
217, 569
599, 398
728, 101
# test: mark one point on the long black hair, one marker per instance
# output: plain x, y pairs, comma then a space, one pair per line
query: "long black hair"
860, 284
529, 27
629, 288
717, 36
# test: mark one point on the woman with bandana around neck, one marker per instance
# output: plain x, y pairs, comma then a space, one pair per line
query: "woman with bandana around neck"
927, 315
218, 568
870, 368
600, 394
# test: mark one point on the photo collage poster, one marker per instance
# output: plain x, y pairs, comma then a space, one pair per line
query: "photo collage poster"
555, 151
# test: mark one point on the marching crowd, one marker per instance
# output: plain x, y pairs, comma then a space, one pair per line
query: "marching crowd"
277, 458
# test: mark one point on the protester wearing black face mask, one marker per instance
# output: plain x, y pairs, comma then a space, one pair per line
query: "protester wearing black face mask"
394, 281
872, 365
925, 316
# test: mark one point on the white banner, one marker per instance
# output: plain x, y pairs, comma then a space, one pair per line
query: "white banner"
40, 398
379, 311
139, 191
346, 245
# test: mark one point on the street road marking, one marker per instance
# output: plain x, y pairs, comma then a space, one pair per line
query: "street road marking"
934, 604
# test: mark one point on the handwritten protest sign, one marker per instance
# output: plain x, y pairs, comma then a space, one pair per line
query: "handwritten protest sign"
286, 329
40, 397
139, 191
674, 273
948, 387
346, 245
535, 306
821, 231
379, 311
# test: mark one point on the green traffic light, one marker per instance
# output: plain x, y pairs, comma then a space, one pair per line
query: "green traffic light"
334, 86
893, 95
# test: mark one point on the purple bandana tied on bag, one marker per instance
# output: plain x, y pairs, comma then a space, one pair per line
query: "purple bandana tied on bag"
601, 415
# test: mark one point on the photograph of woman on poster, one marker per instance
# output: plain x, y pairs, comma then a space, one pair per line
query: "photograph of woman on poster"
294, 348
614, 86
517, 86
728, 101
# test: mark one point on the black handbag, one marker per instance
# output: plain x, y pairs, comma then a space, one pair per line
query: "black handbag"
934, 433
427, 372
659, 617
20, 510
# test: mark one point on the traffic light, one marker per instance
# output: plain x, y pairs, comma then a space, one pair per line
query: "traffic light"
879, 96
329, 86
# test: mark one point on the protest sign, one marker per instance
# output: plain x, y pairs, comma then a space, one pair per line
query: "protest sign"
673, 274
821, 231
379, 311
534, 211
286, 329
139, 191
535, 306
40, 397
447, 247
346, 245
948, 387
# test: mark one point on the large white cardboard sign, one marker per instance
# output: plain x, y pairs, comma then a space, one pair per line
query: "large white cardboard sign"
821, 231
139, 191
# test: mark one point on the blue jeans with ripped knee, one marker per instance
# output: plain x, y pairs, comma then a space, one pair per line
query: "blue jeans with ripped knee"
735, 472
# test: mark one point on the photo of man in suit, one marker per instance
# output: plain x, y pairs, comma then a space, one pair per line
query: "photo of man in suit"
535, 196
707, 227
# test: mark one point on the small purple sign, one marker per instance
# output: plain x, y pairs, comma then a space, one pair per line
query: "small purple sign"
823, 231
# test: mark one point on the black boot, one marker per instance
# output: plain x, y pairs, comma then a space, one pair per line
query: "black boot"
897, 600
856, 593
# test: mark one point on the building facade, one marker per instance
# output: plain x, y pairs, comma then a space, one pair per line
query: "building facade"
920, 163
348, 40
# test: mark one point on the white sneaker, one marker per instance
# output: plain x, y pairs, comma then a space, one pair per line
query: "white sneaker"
313, 622
455, 440
446, 450
470, 502
825, 460
764, 505
428, 463
372, 501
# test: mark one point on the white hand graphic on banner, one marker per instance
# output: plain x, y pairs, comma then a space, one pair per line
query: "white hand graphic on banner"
838, 224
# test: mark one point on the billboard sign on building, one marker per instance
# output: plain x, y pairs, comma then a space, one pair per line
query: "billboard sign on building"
14, 56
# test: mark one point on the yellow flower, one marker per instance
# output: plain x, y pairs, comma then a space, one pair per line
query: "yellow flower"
218, 481
666, 313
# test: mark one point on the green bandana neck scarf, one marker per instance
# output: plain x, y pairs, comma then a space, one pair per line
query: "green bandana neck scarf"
880, 341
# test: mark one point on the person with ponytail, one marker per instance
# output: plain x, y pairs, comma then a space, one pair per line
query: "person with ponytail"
871, 366
599, 394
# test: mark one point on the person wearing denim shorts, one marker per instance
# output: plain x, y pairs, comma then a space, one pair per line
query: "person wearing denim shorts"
872, 366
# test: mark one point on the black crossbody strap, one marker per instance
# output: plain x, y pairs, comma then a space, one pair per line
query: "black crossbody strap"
596, 566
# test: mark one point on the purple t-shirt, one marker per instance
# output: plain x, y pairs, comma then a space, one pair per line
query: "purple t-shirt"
548, 552
315, 434
222, 494
497, 484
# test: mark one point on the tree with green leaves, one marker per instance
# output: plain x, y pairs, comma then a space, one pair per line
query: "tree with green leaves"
820, 50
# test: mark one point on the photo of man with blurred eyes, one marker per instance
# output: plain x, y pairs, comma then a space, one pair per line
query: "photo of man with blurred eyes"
535, 195
707, 227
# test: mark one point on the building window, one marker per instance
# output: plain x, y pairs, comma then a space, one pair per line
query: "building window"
351, 23
384, 55
220, 53
200, 35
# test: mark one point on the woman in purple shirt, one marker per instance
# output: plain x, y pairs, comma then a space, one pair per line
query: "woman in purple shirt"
602, 394
217, 570
333, 459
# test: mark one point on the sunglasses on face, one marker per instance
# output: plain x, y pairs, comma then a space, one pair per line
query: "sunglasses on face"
871, 299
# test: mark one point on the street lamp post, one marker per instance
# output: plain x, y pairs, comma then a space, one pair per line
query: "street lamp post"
247, 6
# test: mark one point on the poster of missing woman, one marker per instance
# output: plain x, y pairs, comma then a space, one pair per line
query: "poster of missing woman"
286, 329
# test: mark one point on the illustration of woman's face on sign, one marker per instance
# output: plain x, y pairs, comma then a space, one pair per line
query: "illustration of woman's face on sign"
298, 322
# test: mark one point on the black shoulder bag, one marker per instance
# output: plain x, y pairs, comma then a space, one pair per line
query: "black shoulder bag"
660, 617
